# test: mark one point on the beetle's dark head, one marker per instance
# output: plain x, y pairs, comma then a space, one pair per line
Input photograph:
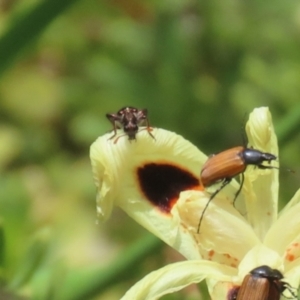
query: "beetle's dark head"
268, 156
256, 157
266, 272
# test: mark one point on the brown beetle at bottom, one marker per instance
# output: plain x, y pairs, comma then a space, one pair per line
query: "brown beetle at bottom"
262, 283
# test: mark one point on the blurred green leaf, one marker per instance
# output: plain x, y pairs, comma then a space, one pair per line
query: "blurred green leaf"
28, 28
198, 66
2, 245
32, 259
289, 125
82, 285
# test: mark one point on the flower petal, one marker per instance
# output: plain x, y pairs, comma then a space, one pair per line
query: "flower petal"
175, 277
221, 289
224, 235
258, 256
145, 177
293, 278
284, 235
261, 186
294, 201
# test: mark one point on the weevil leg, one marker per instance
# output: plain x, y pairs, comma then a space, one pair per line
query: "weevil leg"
116, 140
113, 118
149, 129
115, 132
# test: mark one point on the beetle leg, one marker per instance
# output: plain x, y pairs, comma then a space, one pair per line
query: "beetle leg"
291, 289
239, 190
225, 182
263, 167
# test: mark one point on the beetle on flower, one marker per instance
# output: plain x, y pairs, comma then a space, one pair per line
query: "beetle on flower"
157, 184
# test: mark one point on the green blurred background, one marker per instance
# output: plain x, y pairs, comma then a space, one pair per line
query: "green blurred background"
199, 67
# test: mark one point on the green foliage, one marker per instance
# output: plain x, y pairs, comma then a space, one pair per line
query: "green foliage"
198, 66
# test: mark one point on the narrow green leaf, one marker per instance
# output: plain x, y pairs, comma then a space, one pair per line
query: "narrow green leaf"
289, 125
32, 260
2, 245
85, 285
27, 29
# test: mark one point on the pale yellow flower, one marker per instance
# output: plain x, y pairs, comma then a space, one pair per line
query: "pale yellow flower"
156, 182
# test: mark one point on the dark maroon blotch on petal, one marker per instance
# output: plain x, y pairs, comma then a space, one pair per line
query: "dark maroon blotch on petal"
162, 183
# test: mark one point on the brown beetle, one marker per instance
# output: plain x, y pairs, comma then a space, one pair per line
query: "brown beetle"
228, 164
129, 118
262, 283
